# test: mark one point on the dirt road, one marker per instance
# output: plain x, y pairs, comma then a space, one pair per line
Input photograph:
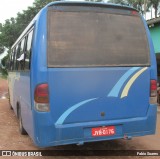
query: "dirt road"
10, 138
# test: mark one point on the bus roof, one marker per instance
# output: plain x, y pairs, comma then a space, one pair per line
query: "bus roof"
74, 3
91, 4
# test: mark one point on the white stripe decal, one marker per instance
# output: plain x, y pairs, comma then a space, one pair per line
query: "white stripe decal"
131, 81
116, 89
71, 109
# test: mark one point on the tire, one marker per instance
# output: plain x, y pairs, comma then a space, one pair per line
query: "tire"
10, 106
21, 128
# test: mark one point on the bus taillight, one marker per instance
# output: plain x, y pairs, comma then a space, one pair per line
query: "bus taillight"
153, 88
153, 91
134, 12
41, 97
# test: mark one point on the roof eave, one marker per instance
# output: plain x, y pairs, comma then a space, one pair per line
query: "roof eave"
95, 4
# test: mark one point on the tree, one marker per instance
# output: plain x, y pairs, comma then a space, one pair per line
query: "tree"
38, 4
123, 2
3, 65
1, 49
141, 5
12, 28
94, 0
155, 4
0, 27
8, 34
4, 61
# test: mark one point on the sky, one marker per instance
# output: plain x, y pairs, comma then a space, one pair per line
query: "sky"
10, 8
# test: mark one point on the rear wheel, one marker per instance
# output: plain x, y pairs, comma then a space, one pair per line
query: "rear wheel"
10, 106
21, 128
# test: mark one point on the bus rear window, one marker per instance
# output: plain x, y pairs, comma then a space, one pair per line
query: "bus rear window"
93, 39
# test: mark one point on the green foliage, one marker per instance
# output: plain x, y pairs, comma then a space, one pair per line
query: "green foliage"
94, 0
4, 64
5, 61
138, 4
4, 72
141, 5
0, 27
155, 4
123, 2
12, 28
8, 33
41, 3
1, 49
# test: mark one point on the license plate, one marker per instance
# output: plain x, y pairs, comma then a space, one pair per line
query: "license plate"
103, 131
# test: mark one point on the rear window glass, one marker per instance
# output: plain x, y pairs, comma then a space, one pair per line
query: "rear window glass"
92, 39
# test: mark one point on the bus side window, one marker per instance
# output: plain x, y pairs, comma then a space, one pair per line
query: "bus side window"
28, 51
13, 59
16, 57
10, 60
20, 59
14, 51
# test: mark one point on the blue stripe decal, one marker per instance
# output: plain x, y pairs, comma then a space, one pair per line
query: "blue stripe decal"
70, 110
116, 89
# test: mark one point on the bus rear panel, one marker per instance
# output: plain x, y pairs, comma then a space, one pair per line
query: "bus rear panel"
99, 76
93, 74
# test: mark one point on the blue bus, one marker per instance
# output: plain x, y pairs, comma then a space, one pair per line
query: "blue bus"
84, 72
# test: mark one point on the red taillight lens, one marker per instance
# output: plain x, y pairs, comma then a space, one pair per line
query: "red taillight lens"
153, 88
134, 12
41, 94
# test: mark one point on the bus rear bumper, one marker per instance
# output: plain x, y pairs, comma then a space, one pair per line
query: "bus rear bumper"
79, 133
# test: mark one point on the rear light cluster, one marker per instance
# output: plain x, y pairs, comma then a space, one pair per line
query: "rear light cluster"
41, 98
134, 13
153, 91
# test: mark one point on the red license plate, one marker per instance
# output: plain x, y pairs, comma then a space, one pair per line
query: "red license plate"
103, 131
